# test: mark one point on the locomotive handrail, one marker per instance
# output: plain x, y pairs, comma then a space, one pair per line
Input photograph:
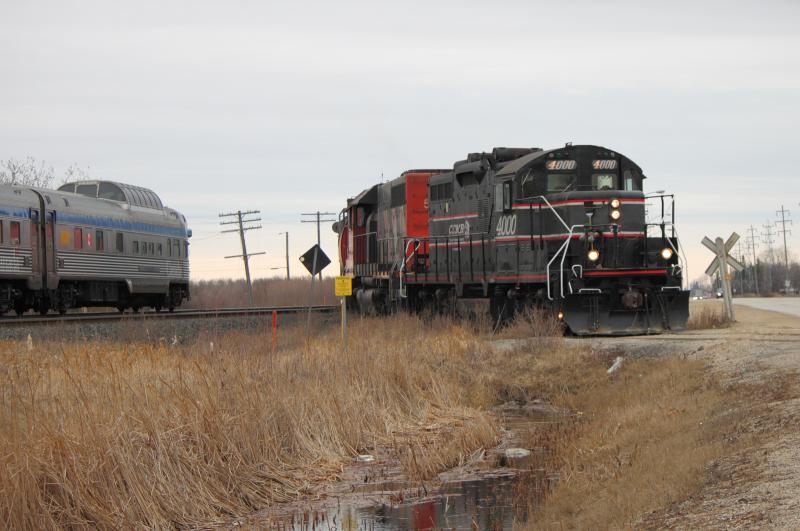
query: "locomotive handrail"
551, 207
683, 262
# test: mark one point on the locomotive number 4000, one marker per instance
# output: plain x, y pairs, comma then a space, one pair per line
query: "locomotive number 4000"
506, 226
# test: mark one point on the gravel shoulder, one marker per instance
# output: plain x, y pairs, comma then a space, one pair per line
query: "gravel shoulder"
758, 484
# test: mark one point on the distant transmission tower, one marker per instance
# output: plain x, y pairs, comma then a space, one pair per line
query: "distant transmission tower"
243, 226
751, 246
783, 213
768, 237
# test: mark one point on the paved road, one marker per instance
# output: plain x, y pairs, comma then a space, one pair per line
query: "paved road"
788, 305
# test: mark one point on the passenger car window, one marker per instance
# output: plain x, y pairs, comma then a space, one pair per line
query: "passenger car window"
1, 231
89, 190
14, 232
120, 243
78, 239
135, 247
98, 241
110, 191
150, 247
159, 249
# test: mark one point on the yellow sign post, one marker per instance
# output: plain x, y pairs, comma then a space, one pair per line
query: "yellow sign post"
343, 287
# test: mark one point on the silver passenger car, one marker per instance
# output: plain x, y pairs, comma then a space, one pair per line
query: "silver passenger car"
90, 243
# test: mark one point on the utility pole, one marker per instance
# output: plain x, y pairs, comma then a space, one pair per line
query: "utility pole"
318, 220
741, 274
287, 253
242, 222
768, 238
783, 221
751, 241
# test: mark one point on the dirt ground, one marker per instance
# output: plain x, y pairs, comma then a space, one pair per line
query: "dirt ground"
757, 484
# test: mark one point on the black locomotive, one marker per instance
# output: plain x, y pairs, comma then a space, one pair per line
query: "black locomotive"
564, 229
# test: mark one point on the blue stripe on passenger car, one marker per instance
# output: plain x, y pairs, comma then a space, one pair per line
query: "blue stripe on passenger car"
119, 224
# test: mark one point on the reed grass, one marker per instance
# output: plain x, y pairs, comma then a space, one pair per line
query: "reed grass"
139, 435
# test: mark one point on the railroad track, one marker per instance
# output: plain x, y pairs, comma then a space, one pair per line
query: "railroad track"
98, 317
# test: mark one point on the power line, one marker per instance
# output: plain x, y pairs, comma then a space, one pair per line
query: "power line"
242, 222
783, 221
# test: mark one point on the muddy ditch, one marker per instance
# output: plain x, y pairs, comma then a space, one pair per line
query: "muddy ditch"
492, 489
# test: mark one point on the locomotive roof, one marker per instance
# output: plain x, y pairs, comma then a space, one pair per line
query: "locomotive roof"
115, 191
518, 164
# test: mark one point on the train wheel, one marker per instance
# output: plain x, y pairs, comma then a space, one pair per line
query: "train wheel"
157, 308
135, 309
121, 309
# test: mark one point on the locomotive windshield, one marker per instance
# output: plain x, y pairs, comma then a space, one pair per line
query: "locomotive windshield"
604, 181
561, 182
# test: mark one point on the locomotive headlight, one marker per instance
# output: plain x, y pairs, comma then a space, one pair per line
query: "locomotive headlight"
615, 215
614, 203
593, 255
666, 253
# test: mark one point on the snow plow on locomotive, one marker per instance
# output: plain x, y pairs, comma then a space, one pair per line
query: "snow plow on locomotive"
564, 229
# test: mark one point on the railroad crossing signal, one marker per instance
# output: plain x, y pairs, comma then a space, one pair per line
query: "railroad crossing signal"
720, 265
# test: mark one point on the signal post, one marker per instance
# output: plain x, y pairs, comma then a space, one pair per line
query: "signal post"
720, 265
343, 287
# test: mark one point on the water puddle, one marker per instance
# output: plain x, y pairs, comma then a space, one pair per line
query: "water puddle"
492, 490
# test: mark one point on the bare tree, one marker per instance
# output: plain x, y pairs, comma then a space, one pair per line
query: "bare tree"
75, 173
28, 172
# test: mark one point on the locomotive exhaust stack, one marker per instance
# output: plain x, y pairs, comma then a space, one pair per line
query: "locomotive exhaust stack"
563, 229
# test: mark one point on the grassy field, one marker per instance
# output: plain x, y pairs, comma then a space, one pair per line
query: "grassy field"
266, 292
136, 435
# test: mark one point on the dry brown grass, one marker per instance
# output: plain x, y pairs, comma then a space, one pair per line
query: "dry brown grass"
210, 294
706, 314
135, 435
640, 440
127, 435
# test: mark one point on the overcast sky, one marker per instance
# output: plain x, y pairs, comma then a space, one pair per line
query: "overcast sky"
293, 107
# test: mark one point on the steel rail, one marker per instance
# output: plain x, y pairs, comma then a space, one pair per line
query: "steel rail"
177, 314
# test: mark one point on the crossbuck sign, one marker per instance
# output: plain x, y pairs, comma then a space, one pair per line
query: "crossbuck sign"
720, 265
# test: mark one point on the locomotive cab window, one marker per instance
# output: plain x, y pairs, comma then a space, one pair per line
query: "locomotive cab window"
604, 181
630, 181
528, 185
502, 196
560, 182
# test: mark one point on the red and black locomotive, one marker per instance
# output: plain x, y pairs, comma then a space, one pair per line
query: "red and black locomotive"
565, 229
